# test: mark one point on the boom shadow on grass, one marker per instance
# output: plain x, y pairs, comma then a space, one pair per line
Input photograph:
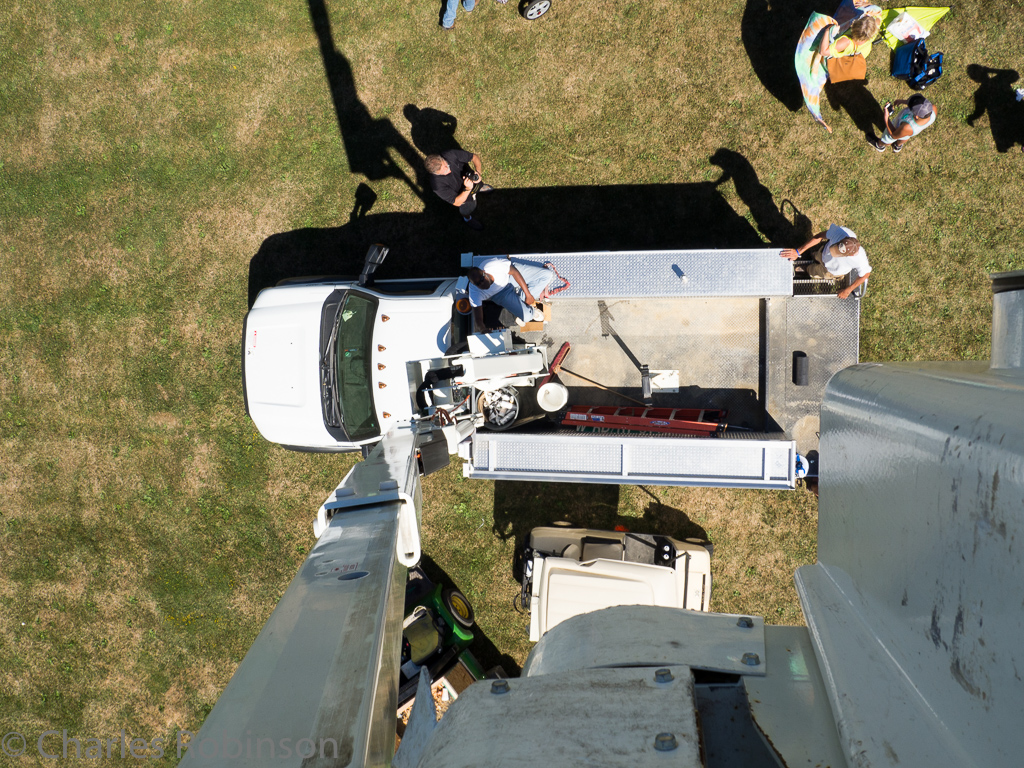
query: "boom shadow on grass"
368, 140
770, 217
532, 220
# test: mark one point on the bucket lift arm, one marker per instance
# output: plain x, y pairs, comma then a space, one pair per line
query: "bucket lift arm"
319, 685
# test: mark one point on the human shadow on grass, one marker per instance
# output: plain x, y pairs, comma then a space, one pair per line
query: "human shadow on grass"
368, 141
532, 220
771, 218
482, 647
863, 108
996, 96
432, 130
770, 31
663, 519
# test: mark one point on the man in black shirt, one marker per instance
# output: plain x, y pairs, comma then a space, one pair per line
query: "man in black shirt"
454, 180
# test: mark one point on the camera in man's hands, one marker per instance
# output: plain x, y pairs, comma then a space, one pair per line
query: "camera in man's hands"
469, 172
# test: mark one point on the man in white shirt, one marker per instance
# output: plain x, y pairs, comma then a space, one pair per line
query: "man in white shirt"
840, 255
496, 279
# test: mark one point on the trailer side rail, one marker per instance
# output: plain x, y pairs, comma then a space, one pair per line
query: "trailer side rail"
631, 460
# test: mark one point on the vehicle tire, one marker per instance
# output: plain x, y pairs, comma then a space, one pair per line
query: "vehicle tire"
517, 563
458, 606
534, 9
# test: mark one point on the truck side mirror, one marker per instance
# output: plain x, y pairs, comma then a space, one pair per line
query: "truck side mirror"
374, 258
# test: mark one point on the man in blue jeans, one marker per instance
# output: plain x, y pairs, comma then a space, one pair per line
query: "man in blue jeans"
450, 6
495, 280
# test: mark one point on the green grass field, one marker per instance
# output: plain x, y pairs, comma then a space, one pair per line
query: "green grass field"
160, 163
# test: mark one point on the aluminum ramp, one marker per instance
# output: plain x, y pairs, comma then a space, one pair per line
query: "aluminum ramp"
756, 272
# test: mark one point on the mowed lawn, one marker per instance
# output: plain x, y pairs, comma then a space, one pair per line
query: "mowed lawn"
160, 163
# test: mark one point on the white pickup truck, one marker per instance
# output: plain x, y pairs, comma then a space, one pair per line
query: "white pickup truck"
671, 368
324, 359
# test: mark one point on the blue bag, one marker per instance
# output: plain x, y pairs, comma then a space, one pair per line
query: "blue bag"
912, 63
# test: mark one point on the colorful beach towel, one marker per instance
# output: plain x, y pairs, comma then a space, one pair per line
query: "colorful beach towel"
811, 83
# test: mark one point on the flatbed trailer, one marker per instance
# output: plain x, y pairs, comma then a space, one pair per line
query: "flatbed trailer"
717, 330
331, 364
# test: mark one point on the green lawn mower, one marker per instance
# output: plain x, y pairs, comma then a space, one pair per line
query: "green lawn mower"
436, 632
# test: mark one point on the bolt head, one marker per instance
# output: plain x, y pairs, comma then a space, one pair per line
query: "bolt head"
665, 742
751, 659
663, 676
500, 686
745, 621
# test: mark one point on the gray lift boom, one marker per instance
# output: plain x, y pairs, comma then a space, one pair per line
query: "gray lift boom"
911, 655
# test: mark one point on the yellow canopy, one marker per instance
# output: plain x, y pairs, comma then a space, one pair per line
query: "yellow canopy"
926, 17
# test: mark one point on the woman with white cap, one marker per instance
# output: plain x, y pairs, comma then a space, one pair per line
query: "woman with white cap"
917, 115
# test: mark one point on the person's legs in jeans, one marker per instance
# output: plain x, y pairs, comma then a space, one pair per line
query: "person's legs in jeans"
448, 20
537, 278
509, 298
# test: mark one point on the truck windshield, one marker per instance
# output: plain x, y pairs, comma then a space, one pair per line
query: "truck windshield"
352, 364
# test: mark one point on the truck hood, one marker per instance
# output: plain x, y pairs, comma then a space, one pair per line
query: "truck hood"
282, 372
415, 330
282, 360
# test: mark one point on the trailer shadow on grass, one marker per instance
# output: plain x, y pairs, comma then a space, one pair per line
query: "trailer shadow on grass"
428, 243
663, 519
532, 220
519, 507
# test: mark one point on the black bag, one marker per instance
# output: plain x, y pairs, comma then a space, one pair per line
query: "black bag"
912, 63
931, 72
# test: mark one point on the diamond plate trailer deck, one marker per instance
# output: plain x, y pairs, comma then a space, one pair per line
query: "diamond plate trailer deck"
726, 321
